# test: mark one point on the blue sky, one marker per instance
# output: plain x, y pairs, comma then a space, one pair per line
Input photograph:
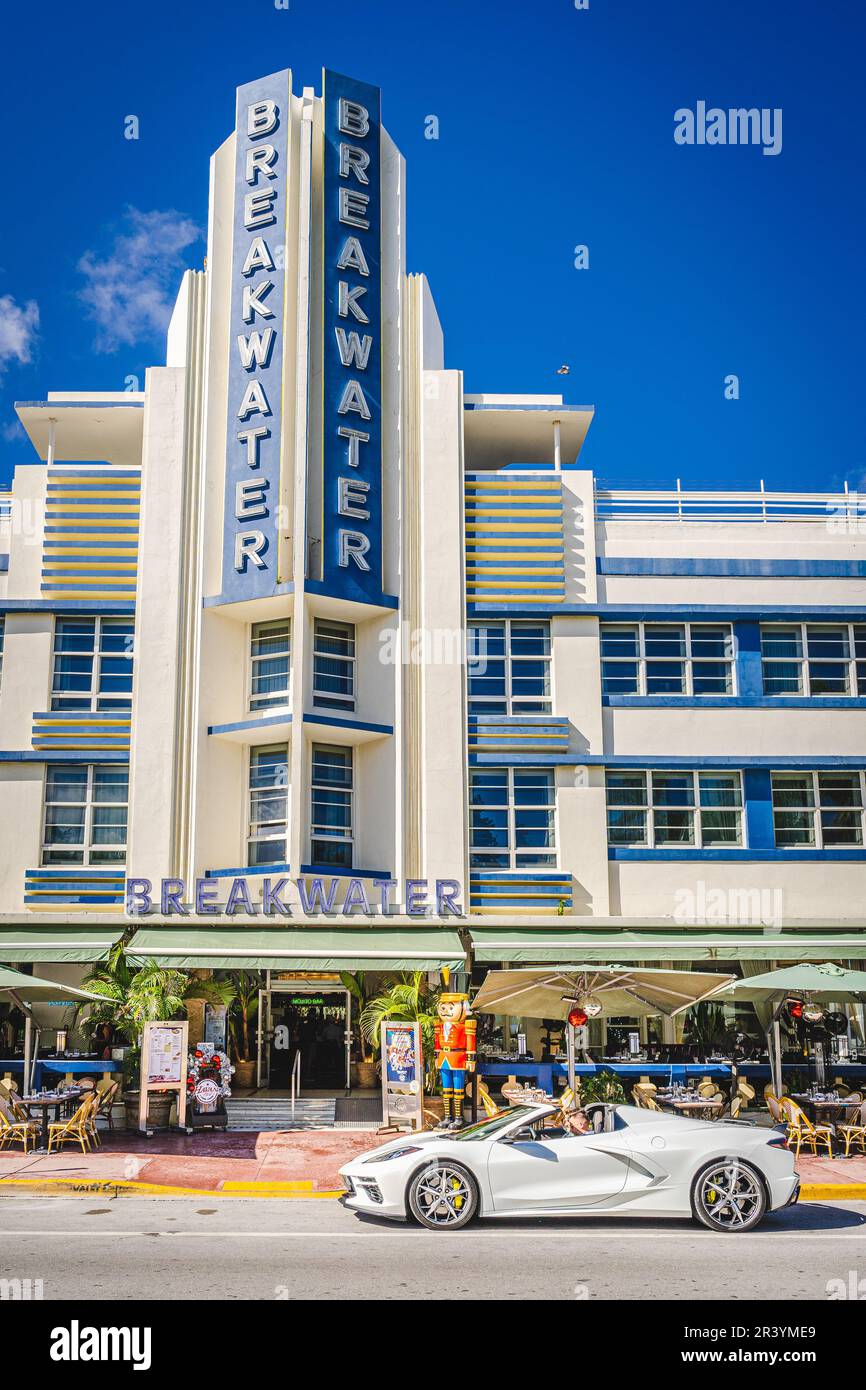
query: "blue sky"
555, 130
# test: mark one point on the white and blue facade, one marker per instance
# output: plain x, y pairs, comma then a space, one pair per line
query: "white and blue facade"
307, 629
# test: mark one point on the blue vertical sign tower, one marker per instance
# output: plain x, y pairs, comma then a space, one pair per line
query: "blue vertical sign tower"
352, 341
256, 331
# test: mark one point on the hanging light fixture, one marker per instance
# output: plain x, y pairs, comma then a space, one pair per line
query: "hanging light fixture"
590, 1005
812, 1011
577, 1017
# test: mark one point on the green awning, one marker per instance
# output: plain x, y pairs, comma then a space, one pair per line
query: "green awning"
71, 945
541, 947
281, 948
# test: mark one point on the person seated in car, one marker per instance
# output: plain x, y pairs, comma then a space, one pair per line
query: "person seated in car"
577, 1122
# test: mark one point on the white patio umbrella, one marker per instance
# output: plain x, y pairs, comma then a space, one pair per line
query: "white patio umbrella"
824, 984
25, 990
610, 991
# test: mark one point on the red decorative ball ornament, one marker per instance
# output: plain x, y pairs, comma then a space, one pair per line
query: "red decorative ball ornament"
796, 1008
577, 1018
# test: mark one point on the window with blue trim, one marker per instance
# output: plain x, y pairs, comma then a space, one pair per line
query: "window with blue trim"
269, 806
692, 659
687, 810
814, 659
331, 821
512, 815
92, 664
269, 664
86, 808
818, 810
508, 667
334, 665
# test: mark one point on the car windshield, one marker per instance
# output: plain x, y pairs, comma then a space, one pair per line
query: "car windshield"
485, 1129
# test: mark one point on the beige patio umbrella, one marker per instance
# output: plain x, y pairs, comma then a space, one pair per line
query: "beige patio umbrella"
25, 990
609, 990
823, 984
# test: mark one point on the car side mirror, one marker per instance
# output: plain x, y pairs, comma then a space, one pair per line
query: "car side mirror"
520, 1136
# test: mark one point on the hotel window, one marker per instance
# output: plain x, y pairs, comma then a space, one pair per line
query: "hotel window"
270, 650
334, 665
508, 667
269, 806
814, 659
512, 818
696, 810
2, 639
86, 813
818, 810
667, 659
331, 820
92, 664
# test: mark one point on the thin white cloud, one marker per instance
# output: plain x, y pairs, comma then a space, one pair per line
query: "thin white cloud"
19, 325
129, 290
13, 432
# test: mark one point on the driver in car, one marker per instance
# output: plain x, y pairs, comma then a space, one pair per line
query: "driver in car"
577, 1122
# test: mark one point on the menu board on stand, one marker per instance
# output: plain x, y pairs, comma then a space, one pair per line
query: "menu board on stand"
163, 1067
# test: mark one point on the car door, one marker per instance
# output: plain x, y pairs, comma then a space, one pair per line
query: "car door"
572, 1170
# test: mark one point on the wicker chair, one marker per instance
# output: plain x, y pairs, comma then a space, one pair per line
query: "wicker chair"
78, 1130
854, 1132
801, 1130
14, 1130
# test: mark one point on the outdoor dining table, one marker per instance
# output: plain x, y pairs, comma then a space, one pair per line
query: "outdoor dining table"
707, 1108
839, 1107
45, 1104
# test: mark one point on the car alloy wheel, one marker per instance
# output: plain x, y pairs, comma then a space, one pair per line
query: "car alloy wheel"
729, 1195
443, 1196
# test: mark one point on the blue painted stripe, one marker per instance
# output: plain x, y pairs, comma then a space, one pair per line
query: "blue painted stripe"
317, 586
77, 872
61, 404
54, 756
109, 473
326, 871
731, 568
68, 606
707, 612
4, 564
259, 871
241, 724
734, 701
325, 717
743, 855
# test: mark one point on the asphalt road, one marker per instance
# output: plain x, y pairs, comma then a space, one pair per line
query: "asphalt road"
179, 1248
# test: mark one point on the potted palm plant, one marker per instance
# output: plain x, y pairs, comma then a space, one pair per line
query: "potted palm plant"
131, 997
242, 1013
364, 1072
409, 1000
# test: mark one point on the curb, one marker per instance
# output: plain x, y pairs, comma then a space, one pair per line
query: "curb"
833, 1192
300, 1190
123, 1187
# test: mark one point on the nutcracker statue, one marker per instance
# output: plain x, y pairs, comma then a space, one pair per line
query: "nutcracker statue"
454, 1040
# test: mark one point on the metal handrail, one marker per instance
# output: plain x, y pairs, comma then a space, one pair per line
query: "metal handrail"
761, 506
296, 1079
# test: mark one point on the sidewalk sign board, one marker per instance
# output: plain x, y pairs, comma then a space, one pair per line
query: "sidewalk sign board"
402, 1075
164, 1048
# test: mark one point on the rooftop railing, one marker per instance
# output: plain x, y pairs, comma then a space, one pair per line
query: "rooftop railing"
846, 508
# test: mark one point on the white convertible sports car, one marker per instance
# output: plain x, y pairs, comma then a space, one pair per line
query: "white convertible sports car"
638, 1162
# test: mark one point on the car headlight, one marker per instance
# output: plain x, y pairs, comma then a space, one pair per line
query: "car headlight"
395, 1153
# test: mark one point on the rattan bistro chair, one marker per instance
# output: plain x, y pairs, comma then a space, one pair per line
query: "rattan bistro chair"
78, 1130
801, 1130
854, 1132
14, 1130
106, 1098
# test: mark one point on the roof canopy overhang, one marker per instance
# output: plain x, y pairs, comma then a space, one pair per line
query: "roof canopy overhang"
72, 945
263, 948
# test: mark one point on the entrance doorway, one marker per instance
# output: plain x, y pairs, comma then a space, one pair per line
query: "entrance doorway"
307, 1031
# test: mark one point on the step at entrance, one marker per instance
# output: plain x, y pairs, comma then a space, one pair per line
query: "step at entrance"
260, 1113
